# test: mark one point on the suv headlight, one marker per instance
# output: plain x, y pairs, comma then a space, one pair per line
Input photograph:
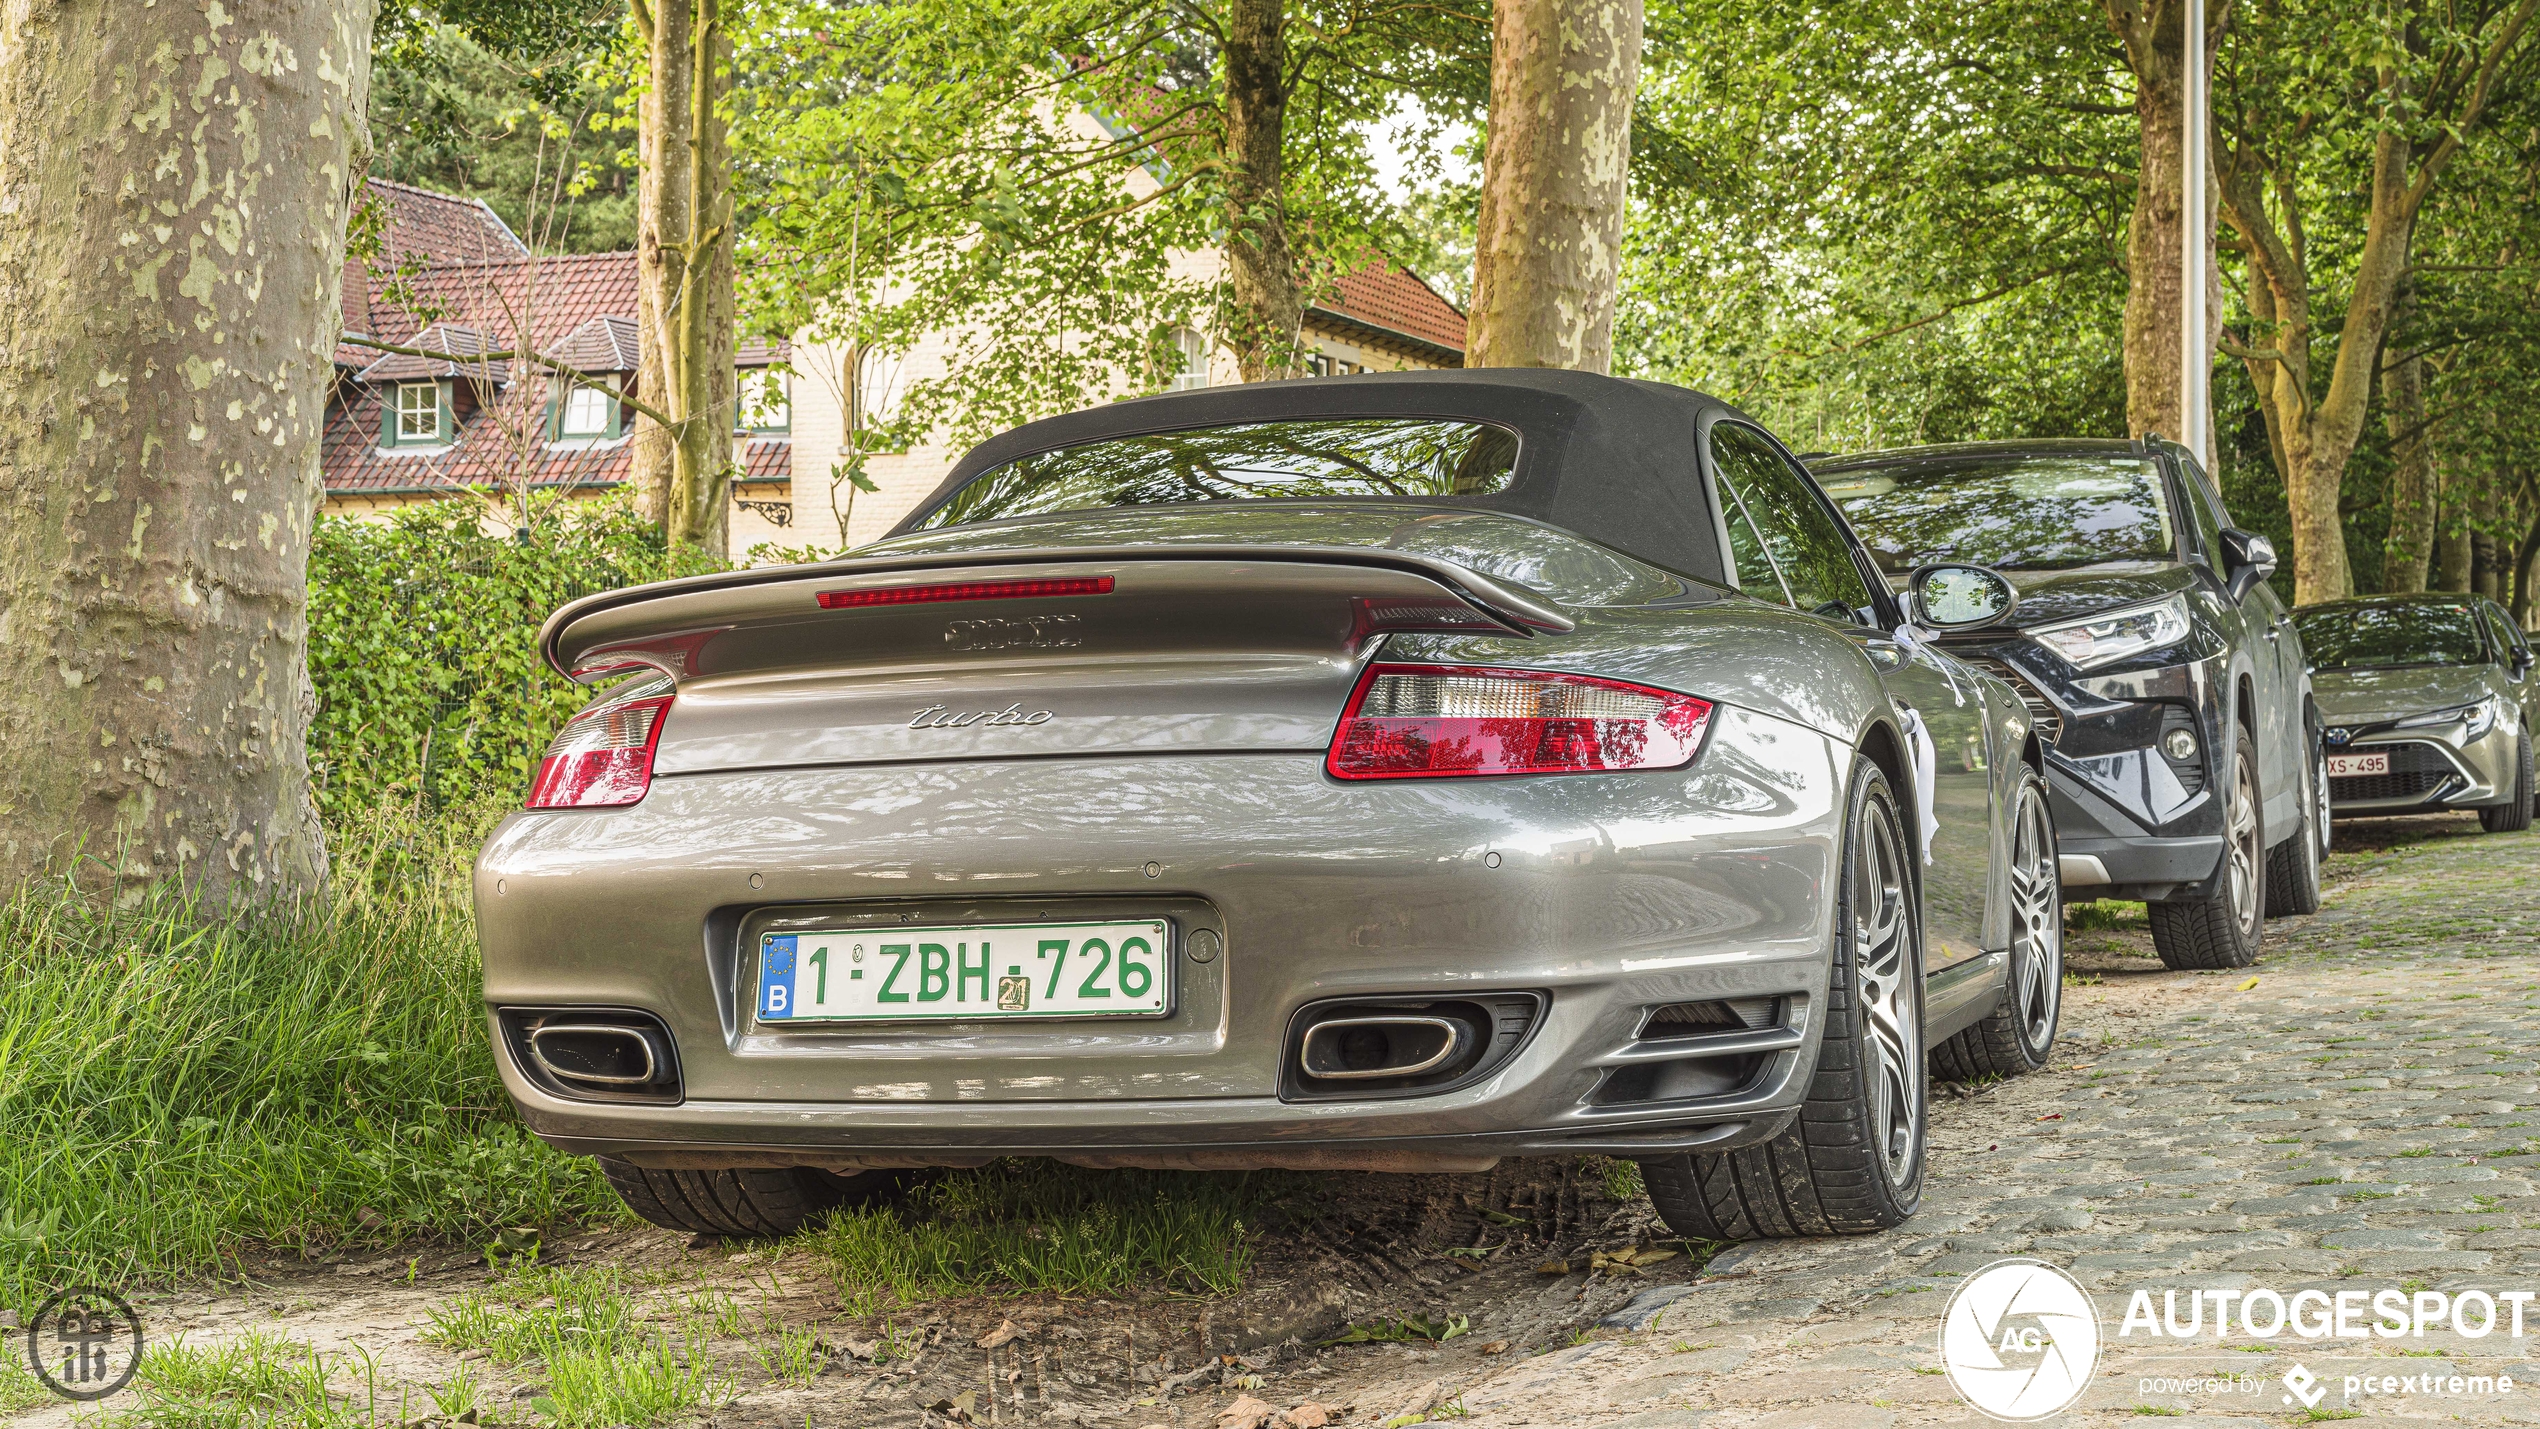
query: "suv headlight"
2480, 717
2106, 639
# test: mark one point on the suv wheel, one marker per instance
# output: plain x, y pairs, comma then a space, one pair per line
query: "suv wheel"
732, 1202
2221, 931
2516, 816
2293, 866
2019, 1034
1851, 1162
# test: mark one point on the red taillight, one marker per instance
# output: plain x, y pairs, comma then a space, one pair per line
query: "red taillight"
602, 758
964, 590
1449, 721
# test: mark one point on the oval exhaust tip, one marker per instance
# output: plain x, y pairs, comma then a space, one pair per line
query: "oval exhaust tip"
595, 1055
1364, 1048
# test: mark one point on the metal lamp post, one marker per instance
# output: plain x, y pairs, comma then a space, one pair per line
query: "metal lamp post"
2195, 367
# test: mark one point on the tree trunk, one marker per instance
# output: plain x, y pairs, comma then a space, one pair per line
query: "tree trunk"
1267, 305
2411, 488
1548, 247
2154, 35
2313, 440
2524, 556
684, 303
2452, 550
174, 184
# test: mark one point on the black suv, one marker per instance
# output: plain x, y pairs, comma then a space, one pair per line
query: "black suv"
2185, 761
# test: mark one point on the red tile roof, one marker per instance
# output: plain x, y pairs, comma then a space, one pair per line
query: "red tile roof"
604, 344
1392, 304
469, 286
461, 343
441, 228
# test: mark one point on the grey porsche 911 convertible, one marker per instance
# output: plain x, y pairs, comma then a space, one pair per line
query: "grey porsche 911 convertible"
1390, 773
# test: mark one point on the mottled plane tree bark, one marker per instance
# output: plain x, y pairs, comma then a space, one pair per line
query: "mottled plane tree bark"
2153, 34
684, 303
1548, 246
174, 184
2409, 544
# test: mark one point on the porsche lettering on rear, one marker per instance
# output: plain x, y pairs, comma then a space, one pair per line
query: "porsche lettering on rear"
1047, 632
939, 717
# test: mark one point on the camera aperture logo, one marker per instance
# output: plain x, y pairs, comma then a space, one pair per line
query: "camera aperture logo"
2019, 1340
85, 1343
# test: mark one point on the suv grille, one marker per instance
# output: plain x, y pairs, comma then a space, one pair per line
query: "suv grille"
2050, 724
2416, 772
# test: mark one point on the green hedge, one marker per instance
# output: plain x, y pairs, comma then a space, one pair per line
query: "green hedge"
423, 644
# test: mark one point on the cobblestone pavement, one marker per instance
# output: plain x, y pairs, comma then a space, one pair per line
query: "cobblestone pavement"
2365, 1116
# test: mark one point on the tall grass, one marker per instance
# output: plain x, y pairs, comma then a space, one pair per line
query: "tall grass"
174, 1088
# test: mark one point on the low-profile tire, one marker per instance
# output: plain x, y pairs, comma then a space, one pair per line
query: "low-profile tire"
1851, 1161
2514, 817
2019, 1034
2293, 866
2222, 929
738, 1203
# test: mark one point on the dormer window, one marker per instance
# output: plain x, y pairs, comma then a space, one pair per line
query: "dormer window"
588, 412
418, 413
764, 404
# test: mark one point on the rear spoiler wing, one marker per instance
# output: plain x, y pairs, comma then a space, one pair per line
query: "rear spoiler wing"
665, 625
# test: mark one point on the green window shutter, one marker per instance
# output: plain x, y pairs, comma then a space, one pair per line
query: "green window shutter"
448, 428
387, 415
617, 415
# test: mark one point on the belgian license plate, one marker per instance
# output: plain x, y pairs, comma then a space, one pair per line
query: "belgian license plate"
2347, 766
970, 972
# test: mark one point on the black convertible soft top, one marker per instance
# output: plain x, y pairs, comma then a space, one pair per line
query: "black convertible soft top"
1610, 458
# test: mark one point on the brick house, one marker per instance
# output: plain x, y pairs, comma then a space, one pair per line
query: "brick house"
454, 281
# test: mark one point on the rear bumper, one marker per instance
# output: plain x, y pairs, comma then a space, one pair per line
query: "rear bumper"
1610, 895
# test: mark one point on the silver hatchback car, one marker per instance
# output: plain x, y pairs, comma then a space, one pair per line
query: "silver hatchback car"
2429, 703
1386, 773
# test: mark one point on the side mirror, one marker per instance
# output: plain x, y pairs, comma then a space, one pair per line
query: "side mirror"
1958, 597
2522, 662
2248, 558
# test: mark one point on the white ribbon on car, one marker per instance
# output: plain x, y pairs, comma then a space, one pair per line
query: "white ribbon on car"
1926, 773
1914, 644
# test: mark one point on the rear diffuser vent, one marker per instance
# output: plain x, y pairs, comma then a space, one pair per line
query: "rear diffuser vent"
1681, 1018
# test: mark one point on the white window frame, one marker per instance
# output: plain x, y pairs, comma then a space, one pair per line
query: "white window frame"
585, 401
418, 426
1194, 370
762, 414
